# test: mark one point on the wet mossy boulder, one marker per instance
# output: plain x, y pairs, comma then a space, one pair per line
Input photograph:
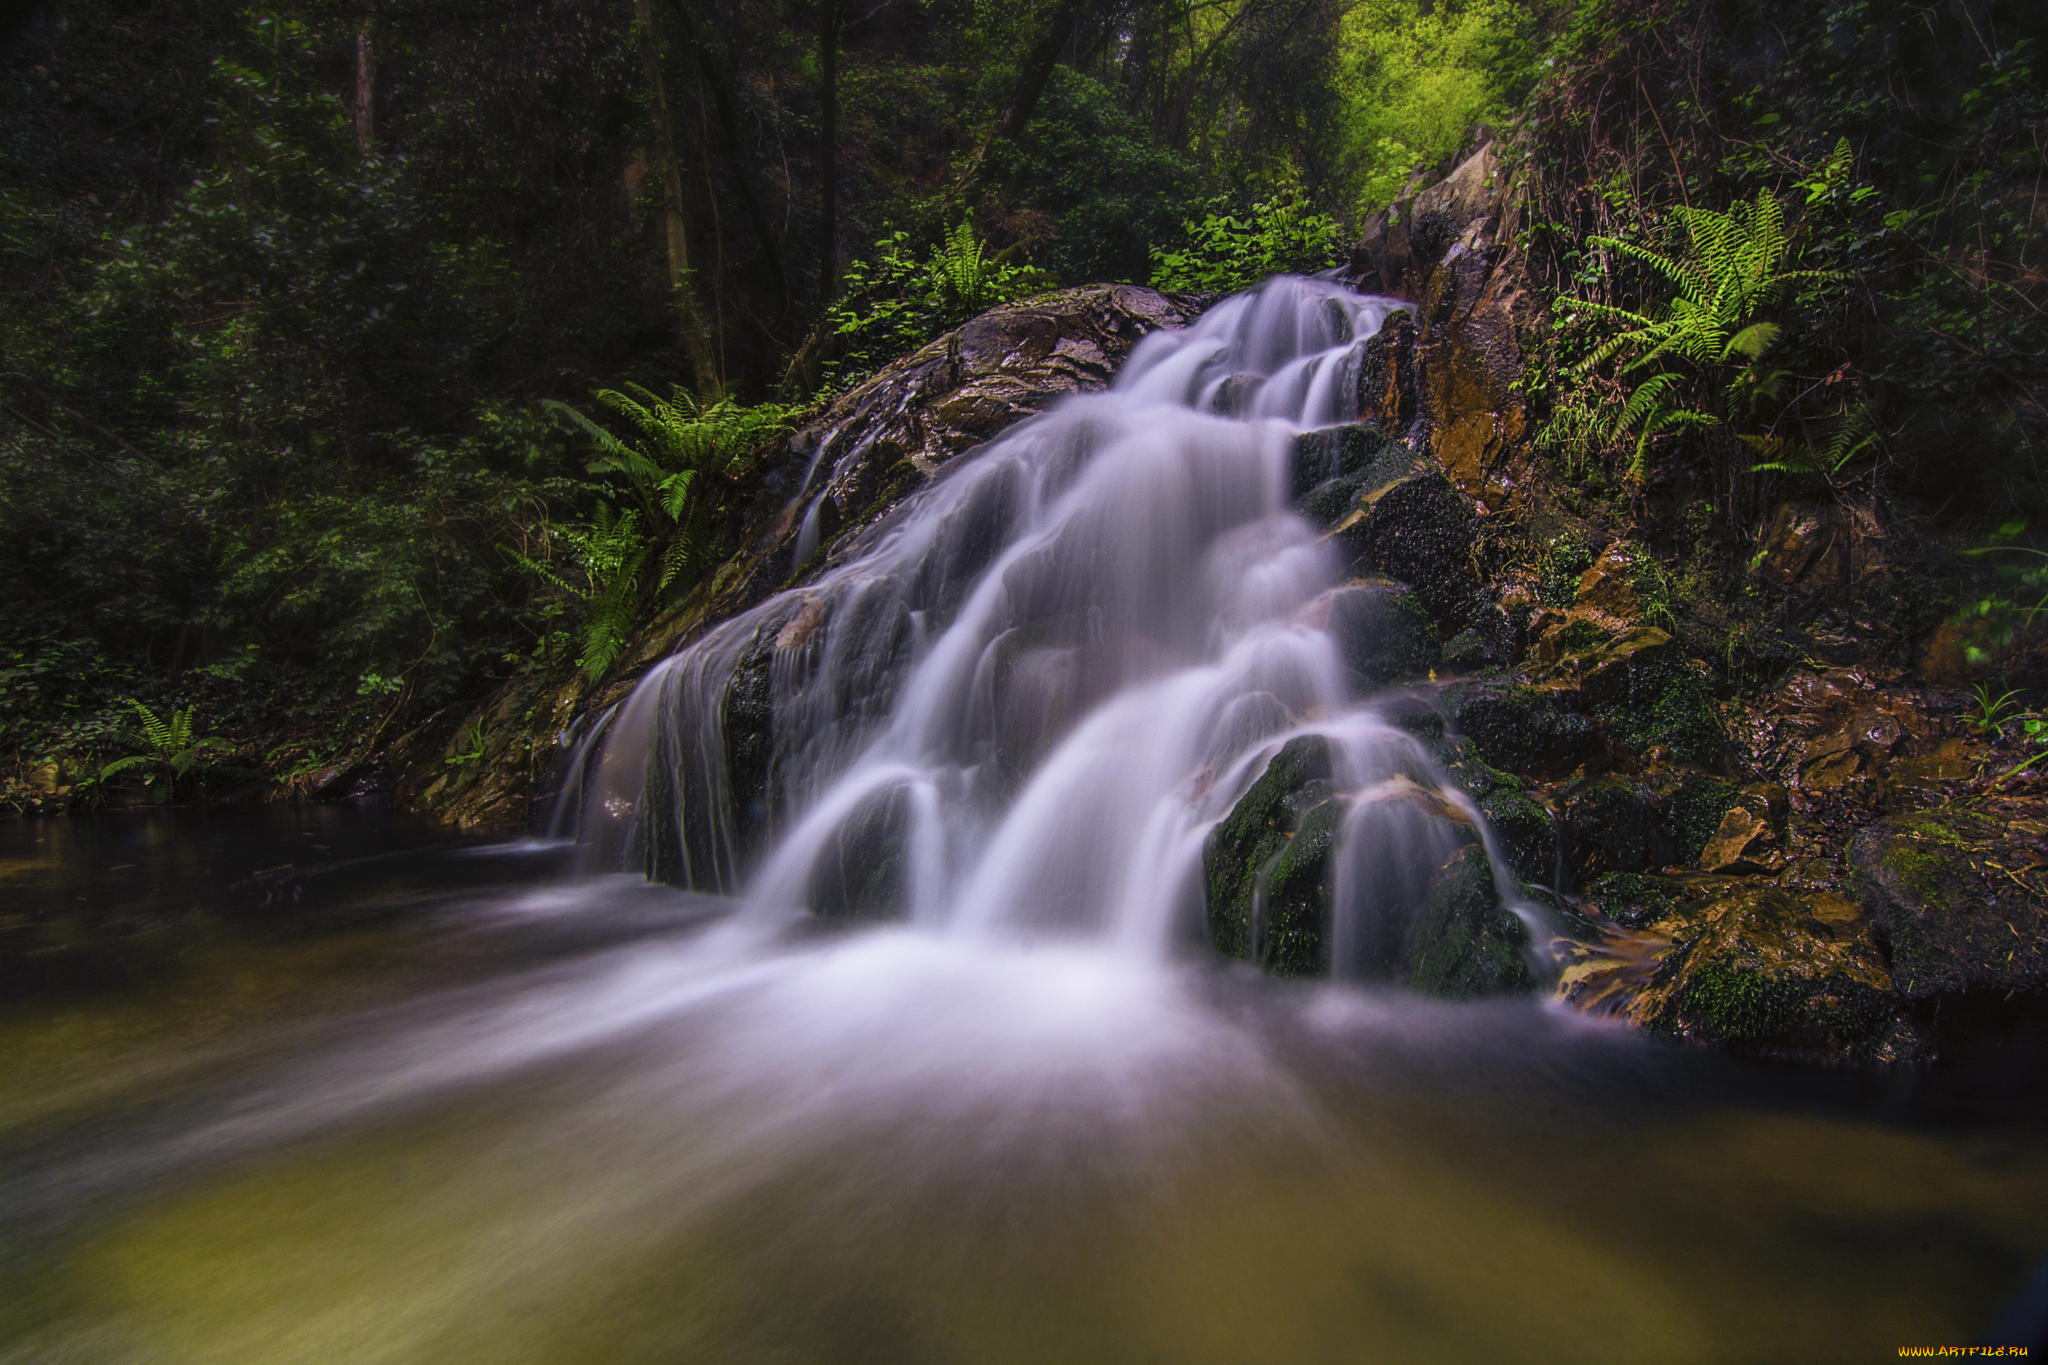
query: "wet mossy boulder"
1636, 900
1464, 943
1537, 731
1643, 690
1242, 864
1334, 453
1959, 899
1755, 969
1609, 825
1696, 803
1524, 830
1410, 523
1381, 629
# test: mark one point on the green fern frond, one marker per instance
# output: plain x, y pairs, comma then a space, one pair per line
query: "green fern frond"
1752, 341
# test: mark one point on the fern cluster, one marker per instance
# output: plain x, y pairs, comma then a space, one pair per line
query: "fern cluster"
173, 743
675, 457
1714, 328
896, 299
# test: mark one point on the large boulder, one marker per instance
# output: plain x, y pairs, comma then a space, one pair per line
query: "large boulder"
1450, 247
1959, 898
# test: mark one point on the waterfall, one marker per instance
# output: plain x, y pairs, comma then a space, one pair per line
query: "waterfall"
1019, 703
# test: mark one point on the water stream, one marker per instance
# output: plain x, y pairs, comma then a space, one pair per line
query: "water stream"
446, 1106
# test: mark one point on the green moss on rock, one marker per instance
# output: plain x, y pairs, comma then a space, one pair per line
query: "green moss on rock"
1465, 943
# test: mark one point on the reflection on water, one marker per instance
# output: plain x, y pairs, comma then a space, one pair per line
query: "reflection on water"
600, 1122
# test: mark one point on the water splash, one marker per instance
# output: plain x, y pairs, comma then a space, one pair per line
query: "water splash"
1023, 701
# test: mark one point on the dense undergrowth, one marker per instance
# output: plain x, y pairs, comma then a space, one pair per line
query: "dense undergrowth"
357, 363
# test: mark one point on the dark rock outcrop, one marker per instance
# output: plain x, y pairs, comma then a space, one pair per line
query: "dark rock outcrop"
1959, 898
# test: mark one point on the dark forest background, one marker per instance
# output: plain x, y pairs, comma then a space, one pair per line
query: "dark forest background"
357, 356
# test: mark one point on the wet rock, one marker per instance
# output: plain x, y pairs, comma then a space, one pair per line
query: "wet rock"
1450, 247
1636, 900
1610, 824
863, 872
1532, 730
1650, 697
1381, 629
1465, 943
1750, 835
1752, 968
1692, 803
1412, 525
1291, 914
1336, 452
1232, 394
1242, 851
1959, 898
1607, 589
1388, 393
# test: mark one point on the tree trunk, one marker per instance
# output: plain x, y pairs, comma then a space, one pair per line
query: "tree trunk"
828, 155
675, 234
363, 107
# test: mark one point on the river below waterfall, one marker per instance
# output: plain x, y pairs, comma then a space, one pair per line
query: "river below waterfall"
439, 1105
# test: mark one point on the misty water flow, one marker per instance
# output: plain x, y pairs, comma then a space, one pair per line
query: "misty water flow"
440, 1107
1023, 702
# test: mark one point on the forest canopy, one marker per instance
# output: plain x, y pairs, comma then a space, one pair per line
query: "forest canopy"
312, 303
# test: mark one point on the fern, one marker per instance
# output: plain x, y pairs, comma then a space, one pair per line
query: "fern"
172, 743
1732, 270
678, 457
1854, 433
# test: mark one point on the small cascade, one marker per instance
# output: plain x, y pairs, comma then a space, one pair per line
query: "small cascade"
1019, 704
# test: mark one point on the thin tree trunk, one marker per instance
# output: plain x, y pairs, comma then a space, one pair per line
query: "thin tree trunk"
828, 132
675, 234
1032, 78
364, 106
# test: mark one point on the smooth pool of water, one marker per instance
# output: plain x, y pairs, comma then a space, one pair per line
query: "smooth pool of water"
434, 1105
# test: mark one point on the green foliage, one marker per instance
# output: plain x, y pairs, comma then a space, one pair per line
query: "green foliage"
174, 745
1713, 329
896, 299
1228, 249
1416, 76
1095, 184
2011, 613
679, 458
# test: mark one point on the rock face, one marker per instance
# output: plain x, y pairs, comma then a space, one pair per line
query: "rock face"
849, 463
1959, 899
1450, 379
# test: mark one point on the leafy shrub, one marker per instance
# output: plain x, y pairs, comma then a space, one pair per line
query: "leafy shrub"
896, 300
678, 458
1231, 250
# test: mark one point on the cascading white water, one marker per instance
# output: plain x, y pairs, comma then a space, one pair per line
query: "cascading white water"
1022, 703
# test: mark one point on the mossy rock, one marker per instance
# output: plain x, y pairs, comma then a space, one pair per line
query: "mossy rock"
1635, 900
1959, 899
1291, 917
1465, 943
1524, 831
1610, 824
1332, 453
1644, 691
1765, 972
1382, 631
1531, 730
1245, 847
1694, 803
1412, 524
